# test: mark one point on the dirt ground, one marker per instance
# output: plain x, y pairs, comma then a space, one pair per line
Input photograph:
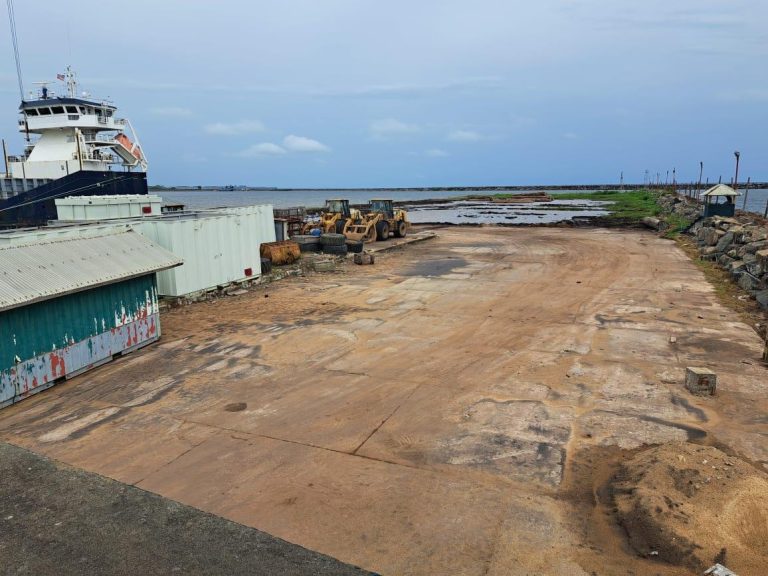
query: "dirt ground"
457, 408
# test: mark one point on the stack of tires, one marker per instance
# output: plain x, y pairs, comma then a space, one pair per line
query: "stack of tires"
334, 244
307, 242
354, 246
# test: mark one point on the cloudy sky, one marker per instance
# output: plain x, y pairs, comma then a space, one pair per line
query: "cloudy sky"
344, 93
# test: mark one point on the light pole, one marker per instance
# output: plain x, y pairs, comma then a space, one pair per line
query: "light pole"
736, 178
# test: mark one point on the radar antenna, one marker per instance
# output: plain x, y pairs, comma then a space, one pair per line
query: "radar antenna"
15, 41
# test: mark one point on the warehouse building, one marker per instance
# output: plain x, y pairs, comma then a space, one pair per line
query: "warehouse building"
70, 304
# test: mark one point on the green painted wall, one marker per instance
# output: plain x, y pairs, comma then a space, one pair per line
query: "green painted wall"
53, 324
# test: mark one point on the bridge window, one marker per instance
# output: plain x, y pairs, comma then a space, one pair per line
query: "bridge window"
58, 109
83, 110
32, 112
72, 109
44, 111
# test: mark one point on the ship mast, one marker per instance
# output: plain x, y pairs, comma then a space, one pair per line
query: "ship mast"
15, 41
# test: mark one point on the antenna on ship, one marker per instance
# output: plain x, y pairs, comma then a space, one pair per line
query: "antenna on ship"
15, 41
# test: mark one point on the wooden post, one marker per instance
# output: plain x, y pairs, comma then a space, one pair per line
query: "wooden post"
701, 173
746, 194
765, 214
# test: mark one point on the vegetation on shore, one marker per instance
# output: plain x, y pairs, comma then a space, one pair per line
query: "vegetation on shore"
631, 205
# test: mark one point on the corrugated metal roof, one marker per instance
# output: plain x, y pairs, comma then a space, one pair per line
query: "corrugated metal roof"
44, 270
721, 190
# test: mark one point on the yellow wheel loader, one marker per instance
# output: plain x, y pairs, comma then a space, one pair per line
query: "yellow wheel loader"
334, 218
379, 222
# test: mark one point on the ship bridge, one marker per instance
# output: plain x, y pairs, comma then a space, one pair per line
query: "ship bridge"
55, 113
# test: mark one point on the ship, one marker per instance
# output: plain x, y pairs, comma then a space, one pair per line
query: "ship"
76, 145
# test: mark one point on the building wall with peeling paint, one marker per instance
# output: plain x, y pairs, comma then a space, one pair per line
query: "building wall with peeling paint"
49, 340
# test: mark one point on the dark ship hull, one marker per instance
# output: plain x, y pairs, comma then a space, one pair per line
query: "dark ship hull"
37, 206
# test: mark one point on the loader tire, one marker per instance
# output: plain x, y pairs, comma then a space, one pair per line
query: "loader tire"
332, 240
335, 249
355, 246
309, 246
382, 231
401, 229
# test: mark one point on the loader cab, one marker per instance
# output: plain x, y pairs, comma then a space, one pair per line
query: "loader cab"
384, 206
338, 207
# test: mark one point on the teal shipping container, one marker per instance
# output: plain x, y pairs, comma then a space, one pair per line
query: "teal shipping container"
83, 317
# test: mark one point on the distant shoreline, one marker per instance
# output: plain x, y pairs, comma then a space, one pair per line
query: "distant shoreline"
576, 187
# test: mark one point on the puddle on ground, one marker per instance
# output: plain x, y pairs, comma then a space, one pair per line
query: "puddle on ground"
484, 212
434, 268
236, 407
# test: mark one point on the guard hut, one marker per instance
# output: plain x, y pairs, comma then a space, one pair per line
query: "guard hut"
720, 200
69, 305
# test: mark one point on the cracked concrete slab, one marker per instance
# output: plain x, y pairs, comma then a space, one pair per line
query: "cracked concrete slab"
413, 417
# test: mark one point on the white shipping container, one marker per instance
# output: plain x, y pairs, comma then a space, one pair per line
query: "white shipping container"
218, 246
84, 208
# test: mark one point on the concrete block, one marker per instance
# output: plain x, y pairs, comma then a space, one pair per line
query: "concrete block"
761, 258
324, 266
364, 259
700, 381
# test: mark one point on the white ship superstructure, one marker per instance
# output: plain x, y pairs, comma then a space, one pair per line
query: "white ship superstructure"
67, 134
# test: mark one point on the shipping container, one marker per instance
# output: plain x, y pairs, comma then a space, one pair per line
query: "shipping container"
85, 208
69, 305
60, 338
218, 246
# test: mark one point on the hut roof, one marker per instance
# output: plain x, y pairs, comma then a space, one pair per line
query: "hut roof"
720, 190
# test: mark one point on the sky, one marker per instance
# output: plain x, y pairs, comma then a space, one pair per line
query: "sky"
366, 93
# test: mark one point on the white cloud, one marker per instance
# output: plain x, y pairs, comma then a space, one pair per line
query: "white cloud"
464, 136
233, 129
436, 153
302, 144
261, 150
171, 111
392, 127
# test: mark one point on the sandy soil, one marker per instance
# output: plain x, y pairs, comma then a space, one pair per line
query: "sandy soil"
458, 408
693, 505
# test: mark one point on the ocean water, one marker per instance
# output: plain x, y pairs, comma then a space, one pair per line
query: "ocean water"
756, 199
291, 198
308, 198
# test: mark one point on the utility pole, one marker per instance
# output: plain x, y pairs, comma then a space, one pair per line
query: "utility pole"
674, 180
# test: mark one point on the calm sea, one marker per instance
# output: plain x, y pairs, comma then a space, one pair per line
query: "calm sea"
756, 199
309, 198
